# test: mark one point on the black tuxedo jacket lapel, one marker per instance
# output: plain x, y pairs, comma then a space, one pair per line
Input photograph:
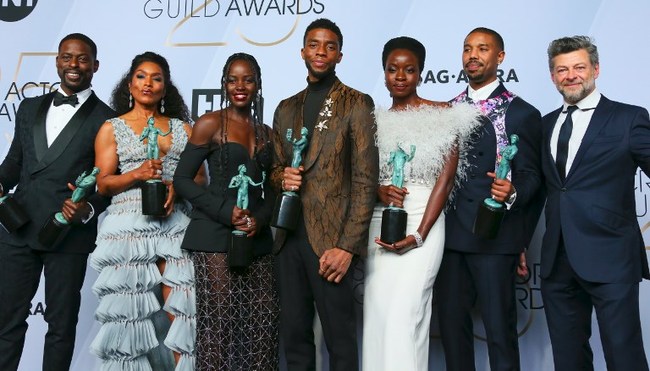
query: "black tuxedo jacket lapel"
498, 91
39, 134
488, 126
600, 117
61, 142
552, 120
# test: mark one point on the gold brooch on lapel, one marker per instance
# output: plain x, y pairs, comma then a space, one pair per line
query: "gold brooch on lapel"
326, 112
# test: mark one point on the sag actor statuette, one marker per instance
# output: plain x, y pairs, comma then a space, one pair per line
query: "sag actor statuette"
287, 205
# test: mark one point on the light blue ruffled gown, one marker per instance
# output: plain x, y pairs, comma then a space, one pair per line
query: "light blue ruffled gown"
128, 246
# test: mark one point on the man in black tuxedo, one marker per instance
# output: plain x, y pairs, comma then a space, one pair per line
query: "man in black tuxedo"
593, 254
53, 144
475, 269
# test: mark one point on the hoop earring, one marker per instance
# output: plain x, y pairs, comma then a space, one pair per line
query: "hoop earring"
162, 105
130, 100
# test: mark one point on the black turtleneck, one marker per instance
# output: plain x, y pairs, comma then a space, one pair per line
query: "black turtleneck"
316, 93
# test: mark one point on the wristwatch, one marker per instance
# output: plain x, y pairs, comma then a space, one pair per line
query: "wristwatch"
513, 196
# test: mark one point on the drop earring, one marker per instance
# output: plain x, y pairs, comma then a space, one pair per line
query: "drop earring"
162, 105
130, 100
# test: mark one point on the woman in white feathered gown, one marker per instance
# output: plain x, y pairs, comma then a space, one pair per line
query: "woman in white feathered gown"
399, 277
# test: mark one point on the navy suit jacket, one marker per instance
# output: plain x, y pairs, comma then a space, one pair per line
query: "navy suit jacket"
594, 209
42, 173
520, 221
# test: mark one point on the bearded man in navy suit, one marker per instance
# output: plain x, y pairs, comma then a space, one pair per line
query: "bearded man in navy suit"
593, 254
477, 271
53, 143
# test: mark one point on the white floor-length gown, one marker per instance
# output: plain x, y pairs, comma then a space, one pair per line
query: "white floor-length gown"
399, 288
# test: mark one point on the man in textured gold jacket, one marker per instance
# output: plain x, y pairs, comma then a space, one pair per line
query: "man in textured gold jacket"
337, 184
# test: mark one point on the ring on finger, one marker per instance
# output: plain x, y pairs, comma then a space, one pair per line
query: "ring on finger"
159, 172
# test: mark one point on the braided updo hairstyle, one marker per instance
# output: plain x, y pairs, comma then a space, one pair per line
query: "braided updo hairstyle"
261, 134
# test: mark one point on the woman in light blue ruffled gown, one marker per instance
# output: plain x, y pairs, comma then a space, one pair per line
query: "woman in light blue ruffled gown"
139, 257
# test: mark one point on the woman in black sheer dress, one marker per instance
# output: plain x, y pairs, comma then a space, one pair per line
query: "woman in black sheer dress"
237, 309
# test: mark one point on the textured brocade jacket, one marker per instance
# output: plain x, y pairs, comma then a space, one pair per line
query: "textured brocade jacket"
341, 164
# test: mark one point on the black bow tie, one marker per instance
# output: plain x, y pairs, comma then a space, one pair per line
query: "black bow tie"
60, 99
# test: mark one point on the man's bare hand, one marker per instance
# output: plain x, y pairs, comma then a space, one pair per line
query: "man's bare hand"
334, 264
389, 195
292, 178
522, 267
502, 189
75, 212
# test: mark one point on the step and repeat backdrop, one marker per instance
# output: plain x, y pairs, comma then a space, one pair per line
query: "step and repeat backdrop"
197, 36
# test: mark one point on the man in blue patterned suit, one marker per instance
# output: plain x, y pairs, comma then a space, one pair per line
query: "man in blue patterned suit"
476, 269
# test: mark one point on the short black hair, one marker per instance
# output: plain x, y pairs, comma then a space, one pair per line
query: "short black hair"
571, 44
408, 43
83, 38
492, 33
326, 24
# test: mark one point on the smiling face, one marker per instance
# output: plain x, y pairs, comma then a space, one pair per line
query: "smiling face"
147, 84
402, 74
241, 86
574, 76
321, 53
481, 58
75, 66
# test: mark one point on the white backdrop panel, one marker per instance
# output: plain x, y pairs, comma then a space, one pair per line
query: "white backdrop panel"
197, 36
